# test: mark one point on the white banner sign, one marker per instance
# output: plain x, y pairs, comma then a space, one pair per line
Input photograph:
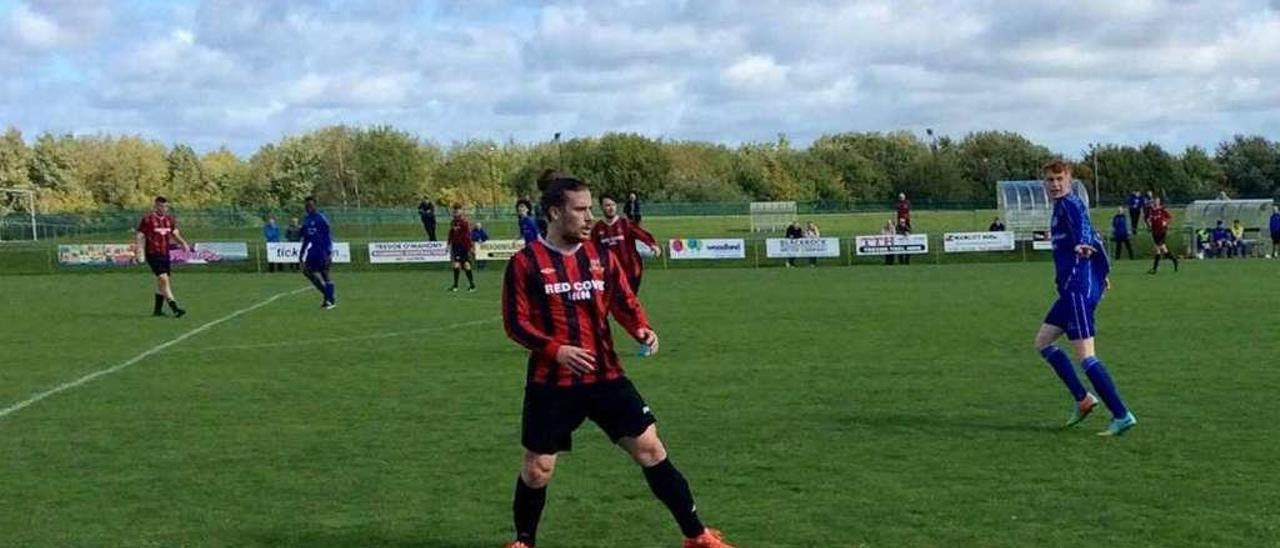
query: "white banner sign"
287, 252
408, 252
911, 244
498, 250
776, 248
692, 248
1042, 246
964, 242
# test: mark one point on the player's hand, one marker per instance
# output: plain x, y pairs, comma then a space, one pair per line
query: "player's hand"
1106, 283
657, 250
1085, 250
648, 338
577, 359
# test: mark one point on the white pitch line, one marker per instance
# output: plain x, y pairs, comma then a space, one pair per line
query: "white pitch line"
151, 351
371, 336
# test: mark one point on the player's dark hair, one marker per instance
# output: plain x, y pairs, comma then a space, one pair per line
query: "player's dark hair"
161, 200
546, 177
608, 197
457, 206
309, 199
554, 194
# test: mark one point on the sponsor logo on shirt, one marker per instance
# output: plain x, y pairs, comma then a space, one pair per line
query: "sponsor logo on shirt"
576, 291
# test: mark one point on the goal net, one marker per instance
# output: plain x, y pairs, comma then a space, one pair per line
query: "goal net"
17, 214
772, 215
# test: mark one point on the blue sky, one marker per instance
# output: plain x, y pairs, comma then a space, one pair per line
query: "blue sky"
1065, 73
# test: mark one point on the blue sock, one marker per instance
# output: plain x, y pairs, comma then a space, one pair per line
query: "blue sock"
1067, 372
1106, 389
329, 289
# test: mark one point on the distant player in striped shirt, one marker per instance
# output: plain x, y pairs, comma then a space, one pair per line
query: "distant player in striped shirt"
154, 233
557, 295
619, 235
1081, 269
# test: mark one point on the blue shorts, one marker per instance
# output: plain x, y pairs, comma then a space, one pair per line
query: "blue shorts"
316, 260
1073, 313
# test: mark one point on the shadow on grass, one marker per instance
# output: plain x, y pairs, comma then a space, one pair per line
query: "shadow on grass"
373, 539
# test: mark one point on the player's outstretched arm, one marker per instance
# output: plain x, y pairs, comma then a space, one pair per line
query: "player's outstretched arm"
177, 235
623, 303
643, 235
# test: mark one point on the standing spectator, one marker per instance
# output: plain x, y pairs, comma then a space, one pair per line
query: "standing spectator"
904, 229
479, 236
1135, 210
525, 223
904, 209
811, 231
293, 233
1120, 232
997, 225
271, 233
888, 230
632, 208
1275, 232
794, 232
427, 211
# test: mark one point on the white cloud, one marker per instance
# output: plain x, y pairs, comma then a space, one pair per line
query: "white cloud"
1066, 72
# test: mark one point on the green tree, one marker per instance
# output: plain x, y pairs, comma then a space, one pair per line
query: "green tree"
1251, 165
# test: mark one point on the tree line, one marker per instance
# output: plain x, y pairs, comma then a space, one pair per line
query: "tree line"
382, 166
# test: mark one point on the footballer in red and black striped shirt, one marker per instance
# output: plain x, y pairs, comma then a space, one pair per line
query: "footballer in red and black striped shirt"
620, 234
557, 295
461, 247
154, 234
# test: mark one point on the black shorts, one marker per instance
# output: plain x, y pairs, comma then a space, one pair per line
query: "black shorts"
1275, 240
551, 414
1159, 239
159, 263
460, 255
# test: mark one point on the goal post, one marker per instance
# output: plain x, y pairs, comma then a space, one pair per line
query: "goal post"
16, 195
772, 216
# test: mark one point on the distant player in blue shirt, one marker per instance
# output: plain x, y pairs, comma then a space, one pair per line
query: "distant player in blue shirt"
317, 252
1120, 233
1081, 269
1275, 232
526, 223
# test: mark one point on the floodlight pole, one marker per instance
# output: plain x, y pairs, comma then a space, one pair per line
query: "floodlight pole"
35, 237
1097, 194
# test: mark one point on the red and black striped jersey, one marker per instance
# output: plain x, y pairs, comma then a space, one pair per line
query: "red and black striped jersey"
460, 234
1160, 220
552, 298
620, 238
157, 229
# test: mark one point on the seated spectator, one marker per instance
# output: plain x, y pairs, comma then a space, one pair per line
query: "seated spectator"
1218, 240
997, 225
1237, 236
1202, 243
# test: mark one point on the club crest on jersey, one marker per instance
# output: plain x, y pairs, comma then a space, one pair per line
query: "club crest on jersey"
577, 291
548, 271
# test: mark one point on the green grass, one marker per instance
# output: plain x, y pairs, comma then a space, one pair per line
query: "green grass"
842, 406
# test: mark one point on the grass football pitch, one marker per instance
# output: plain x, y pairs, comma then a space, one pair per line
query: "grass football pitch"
835, 406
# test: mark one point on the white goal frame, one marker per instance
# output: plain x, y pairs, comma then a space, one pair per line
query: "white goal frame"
772, 216
31, 207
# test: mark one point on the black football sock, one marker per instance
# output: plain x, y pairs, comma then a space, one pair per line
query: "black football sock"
1175, 261
159, 305
528, 511
1156, 265
455, 277
671, 488
173, 305
470, 279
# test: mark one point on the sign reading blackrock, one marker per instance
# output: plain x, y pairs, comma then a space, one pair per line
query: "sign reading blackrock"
965, 242
778, 248
910, 244
287, 252
498, 250
408, 252
692, 248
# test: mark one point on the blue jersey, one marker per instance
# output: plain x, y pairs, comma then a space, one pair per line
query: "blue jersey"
1275, 223
1071, 227
1135, 201
317, 242
1120, 227
528, 229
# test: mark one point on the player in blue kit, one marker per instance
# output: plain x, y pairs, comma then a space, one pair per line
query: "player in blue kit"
1081, 270
317, 251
